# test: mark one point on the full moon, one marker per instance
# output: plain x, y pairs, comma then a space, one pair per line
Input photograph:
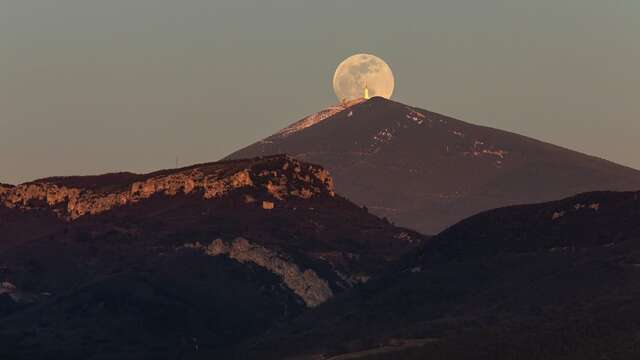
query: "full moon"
359, 70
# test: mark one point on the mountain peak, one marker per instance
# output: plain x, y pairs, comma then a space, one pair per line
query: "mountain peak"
316, 118
427, 171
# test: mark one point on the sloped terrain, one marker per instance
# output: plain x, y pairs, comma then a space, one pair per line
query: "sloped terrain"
557, 280
179, 261
428, 171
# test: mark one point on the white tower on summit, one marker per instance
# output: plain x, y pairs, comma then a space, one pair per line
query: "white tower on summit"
366, 91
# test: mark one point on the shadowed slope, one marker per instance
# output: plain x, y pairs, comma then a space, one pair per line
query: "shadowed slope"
178, 261
427, 171
558, 280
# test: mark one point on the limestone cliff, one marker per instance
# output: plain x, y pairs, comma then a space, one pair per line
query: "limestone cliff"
5, 189
305, 283
279, 176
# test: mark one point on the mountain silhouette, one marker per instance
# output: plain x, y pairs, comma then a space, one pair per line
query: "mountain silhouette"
555, 280
427, 171
166, 264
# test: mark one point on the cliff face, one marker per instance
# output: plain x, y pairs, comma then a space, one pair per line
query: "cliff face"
282, 177
5, 189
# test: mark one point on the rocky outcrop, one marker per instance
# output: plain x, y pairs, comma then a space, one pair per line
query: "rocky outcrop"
5, 189
311, 288
280, 176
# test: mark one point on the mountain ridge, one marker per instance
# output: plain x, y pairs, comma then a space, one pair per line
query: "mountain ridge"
178, 260
427, 171
80, 195
557, 279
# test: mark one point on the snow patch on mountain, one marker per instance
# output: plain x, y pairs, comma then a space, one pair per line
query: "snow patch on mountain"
384, 135
316, 118
416, 116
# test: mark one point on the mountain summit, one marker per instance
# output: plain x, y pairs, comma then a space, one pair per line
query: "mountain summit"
427, 171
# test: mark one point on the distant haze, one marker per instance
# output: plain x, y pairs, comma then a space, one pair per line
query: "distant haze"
98, 86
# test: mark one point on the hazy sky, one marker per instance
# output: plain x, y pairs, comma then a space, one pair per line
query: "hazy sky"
90, 86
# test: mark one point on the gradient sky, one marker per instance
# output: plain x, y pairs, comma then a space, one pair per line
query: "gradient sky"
89, 86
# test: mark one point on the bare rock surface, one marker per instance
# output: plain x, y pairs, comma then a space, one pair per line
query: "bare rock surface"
208, 180
303, 282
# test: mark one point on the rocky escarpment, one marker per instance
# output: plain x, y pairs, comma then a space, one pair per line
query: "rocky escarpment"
5, 189
280, 176
310, 287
